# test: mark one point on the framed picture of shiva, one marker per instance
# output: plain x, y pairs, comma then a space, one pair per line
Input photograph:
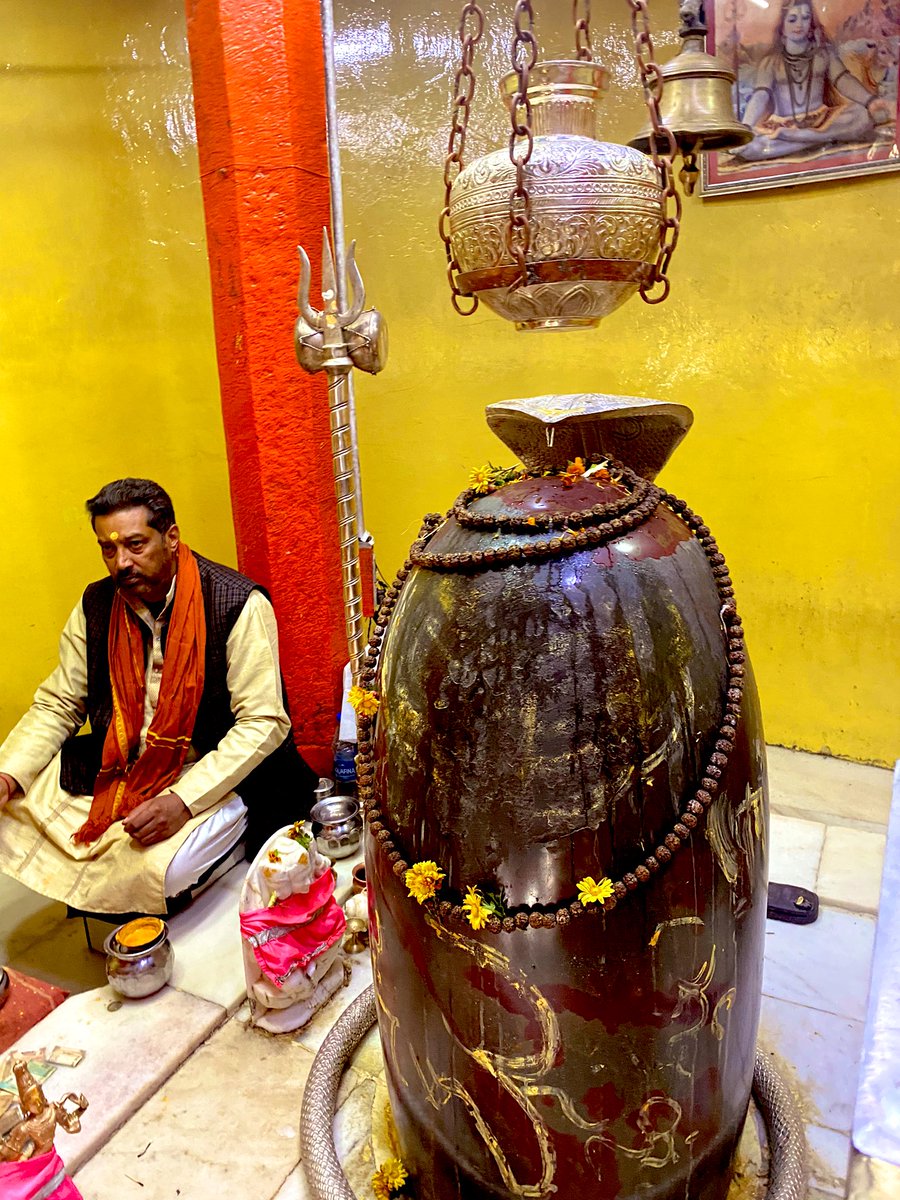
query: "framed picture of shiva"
817, 84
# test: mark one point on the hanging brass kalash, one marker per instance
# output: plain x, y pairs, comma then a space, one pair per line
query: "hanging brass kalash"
565, 782
560, 229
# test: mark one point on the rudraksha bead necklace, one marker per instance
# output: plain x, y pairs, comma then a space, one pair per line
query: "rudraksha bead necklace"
636, 508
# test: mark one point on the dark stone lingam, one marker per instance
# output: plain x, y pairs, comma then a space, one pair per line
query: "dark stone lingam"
583, 712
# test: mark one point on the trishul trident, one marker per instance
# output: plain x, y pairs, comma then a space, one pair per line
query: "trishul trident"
334, 339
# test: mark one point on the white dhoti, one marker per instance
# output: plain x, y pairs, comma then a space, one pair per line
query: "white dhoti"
115, 874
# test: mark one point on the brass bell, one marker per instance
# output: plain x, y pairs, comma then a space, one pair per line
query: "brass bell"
696, 98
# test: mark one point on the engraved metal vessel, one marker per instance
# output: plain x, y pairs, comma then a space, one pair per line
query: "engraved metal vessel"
596, 211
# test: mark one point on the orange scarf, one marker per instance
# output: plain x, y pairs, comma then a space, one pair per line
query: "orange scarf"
124, 780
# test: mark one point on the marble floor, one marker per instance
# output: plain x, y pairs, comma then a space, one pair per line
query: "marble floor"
190, 1101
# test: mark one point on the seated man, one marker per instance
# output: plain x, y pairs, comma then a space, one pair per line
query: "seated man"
174, 661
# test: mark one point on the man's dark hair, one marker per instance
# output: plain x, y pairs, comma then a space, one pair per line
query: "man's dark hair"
134, 493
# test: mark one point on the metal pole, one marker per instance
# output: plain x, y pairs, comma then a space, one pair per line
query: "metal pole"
326, 10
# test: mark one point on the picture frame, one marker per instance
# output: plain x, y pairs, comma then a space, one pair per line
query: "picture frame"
817, 82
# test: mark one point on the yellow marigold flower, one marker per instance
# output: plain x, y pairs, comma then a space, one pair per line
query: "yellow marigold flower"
389, 1177
274, 856
423, 880
480, 479
594, 892
475, 909
365, 703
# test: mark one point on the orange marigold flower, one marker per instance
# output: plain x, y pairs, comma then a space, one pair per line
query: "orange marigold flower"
573, 471
423, 879
592, 891
365, 703
274, 856
531, 521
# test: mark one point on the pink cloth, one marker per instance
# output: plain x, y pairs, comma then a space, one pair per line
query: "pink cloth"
25, 1180
293, 933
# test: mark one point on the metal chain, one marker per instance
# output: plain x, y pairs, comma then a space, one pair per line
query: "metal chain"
663, 149
521, 139
581, 15
471, 27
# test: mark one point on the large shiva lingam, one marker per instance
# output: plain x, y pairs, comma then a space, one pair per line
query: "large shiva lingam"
567, 818
565, 793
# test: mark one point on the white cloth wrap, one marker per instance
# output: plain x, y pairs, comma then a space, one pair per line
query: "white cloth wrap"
305, 991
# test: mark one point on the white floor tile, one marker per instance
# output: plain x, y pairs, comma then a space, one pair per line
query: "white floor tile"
368, 1058
227, 1124
294, 1187
353, 1133
360, 1134
795, 847
825, 965
24, 917
129, 1053
819, 1054
206, 939
829, 1159
850, 870
319, 1027
62, 957
827, 789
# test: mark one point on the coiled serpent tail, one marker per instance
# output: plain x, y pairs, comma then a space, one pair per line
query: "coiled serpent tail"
327, 1181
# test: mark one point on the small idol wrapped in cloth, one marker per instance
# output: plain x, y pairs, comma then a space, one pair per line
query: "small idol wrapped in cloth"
291, 928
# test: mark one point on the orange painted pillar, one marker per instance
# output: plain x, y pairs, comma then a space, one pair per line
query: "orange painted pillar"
260, 107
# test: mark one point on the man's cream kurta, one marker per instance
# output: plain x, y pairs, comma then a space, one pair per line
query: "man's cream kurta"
116, 873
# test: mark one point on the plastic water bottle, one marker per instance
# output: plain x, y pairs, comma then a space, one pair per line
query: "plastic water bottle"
344, 765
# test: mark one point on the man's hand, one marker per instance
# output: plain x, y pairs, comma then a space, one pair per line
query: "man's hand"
156, 819
8, 788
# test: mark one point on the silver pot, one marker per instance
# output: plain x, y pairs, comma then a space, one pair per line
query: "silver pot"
139, 957
336, 826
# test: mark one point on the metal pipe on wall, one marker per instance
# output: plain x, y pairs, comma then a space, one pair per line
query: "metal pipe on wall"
326, 9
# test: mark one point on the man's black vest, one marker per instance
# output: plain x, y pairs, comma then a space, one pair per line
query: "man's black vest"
277, 792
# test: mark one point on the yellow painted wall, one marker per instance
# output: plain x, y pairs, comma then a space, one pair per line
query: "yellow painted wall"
781, 335
107, 357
